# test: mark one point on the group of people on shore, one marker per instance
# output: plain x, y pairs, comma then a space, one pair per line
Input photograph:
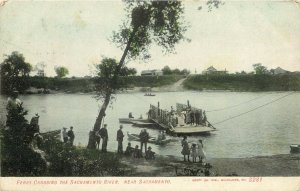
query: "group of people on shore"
195, 151
69, 136
136, 152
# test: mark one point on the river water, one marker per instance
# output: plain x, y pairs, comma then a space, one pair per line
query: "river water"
268, 130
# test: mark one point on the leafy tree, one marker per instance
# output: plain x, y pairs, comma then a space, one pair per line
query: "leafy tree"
14, 72
260, 69
185, 72
167, 70
17, 155
176, 71
148, 21
61, 71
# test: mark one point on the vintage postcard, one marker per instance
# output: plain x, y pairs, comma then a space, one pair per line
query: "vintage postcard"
150, 95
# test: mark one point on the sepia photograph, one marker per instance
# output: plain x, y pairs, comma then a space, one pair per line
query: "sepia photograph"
160, 94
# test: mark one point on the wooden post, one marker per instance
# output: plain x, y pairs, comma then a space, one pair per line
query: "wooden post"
188, 103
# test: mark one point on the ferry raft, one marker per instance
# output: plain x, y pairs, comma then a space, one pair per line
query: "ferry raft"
185, 120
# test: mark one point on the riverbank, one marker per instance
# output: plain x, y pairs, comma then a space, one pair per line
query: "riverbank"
276, 165
244, 82
45, 85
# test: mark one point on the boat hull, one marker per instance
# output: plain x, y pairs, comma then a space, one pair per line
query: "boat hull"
132, 120
295, 148
135, 137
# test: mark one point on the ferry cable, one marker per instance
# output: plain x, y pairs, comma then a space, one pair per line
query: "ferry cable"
229, 107
253, 109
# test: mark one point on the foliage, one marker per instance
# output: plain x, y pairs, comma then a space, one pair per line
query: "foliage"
151, 21
106, 72
260, 69
167, 71
14, 71
17, 156
244, 82
61, 71
76, 161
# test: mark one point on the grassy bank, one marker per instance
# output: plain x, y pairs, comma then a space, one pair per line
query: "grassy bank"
247, 82
87, 84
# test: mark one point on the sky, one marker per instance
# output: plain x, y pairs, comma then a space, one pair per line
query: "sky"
76, 34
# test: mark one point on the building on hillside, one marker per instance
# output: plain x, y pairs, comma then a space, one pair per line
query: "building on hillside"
212, 70
151, 73
278, 70
41, 73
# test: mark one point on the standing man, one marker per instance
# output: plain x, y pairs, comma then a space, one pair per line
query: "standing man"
65, 135
104, 135
120, 137
71, 136
144, 137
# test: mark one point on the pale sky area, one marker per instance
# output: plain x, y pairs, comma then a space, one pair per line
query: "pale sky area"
76, 35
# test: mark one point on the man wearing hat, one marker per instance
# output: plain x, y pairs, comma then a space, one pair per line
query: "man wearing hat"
104, 135
65, 135
120, 137
13, 102
149, 154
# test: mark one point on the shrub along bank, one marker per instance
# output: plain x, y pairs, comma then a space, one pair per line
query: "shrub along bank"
87, 84
247, 82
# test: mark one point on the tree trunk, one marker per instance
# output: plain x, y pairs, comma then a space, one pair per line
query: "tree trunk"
101, 115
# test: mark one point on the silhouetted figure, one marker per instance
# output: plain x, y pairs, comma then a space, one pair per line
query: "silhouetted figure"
144, 137
185, 148
137, 153
104, 135
149, 154
130, 115
71, 136
129, 150
120, 137
65, 135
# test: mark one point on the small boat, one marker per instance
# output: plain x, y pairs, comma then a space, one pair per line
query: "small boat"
295, 148
142, 124
133, 120
56, 134
135, 137
149, 94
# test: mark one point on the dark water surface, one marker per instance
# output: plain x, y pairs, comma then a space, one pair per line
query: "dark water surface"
265, 131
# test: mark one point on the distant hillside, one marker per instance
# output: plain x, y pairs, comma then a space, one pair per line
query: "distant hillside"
246, 82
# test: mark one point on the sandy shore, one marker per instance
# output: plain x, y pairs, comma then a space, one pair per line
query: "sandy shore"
276, 165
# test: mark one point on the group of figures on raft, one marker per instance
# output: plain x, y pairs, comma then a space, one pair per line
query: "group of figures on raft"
183, 116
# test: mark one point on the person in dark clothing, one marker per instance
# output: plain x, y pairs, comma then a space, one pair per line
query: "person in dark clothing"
197, 117
120, 137
129, 150
97, 138
192, 117
104, 135
137, 153
130, 115
71, 136
150, 154
65, 135
144, 137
